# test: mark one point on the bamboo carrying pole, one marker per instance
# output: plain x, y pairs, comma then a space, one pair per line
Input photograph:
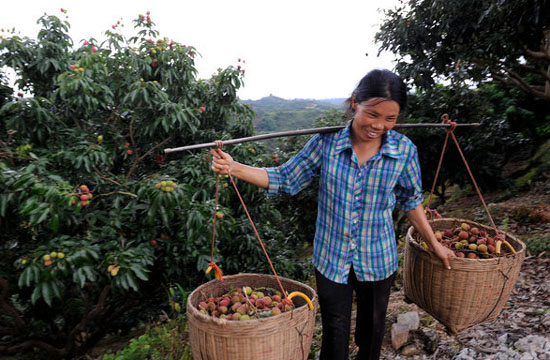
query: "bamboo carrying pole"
322, 130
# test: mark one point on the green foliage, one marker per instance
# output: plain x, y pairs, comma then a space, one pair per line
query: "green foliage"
88, 229
474, 39
487, 148
167, 342
537, 244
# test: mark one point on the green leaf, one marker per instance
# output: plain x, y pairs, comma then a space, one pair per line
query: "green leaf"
47, 292
138, 270
54, 223
36, 294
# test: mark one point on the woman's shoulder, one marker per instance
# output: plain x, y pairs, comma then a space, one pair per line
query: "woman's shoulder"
400, 138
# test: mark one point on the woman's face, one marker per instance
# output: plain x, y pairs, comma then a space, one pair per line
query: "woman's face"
373, 118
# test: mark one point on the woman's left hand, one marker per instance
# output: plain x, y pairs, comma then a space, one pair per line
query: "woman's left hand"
443, 253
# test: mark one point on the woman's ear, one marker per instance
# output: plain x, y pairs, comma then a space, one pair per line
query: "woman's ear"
353, 103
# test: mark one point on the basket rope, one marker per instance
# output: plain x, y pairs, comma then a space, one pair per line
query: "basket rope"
434, 213
450, 131
219, 145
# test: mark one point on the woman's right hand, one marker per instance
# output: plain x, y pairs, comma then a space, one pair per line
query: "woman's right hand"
222, 163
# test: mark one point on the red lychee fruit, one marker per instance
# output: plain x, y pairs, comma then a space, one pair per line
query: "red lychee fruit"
275, 311
481, 242
459, 254
465, 226
94, 49
153, 242
463, 235
202, 108
129, 152
84, 189
472, 256
267, 300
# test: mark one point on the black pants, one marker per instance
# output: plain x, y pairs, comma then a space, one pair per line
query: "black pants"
336, 299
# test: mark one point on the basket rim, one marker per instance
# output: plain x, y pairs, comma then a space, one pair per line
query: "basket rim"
515, 241
192, 310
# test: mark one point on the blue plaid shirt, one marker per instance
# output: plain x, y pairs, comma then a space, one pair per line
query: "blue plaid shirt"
354, 220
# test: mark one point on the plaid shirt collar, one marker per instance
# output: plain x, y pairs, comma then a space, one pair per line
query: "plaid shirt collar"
389, 143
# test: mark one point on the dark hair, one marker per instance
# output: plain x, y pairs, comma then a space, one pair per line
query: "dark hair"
380, 83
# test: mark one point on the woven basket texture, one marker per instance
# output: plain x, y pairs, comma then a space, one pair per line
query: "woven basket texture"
472, 292
283, 337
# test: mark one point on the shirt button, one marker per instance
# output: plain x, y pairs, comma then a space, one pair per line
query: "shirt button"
355, 221
352, 244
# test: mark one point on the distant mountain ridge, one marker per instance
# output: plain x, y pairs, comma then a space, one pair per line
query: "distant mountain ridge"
277, 114
275, 102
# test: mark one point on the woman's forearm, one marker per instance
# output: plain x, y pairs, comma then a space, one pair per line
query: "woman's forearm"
253, 175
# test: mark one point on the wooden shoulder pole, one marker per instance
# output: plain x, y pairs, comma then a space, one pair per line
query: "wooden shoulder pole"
322, 130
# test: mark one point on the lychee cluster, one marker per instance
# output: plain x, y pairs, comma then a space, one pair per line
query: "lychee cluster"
113, 269
49, 258
245, 304
84, 195
166, 186
470, 242
76, 68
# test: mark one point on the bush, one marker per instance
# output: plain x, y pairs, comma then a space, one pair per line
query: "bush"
94, 216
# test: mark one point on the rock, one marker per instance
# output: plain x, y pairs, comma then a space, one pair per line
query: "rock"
532, 343
410, 318
399, 335
503, 338
466, 354
410, 350
431, 341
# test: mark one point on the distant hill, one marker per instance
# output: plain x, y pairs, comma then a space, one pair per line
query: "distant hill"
277, 114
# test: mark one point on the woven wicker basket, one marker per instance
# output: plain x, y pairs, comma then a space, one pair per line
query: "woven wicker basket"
472, 292
286, 336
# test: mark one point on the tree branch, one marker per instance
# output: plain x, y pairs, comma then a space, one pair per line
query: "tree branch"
140, 158
88, 316
117, 192
9, 309
538, 54
536, 71
515, 79
106, 178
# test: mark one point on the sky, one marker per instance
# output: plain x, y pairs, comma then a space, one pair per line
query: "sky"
292, 49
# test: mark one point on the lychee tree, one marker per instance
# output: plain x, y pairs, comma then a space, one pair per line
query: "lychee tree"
94, 218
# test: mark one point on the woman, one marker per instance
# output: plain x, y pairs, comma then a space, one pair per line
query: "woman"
365, 169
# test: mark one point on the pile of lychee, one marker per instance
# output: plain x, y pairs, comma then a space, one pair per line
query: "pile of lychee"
246, 304
470, 242
166, 186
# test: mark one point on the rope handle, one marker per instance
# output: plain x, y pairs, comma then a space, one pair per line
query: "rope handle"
219, 145
450, 132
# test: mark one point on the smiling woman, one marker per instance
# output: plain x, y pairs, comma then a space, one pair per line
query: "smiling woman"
365, 170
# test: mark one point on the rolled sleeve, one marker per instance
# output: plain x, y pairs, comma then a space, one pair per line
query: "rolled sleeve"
408, 190
274, 181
